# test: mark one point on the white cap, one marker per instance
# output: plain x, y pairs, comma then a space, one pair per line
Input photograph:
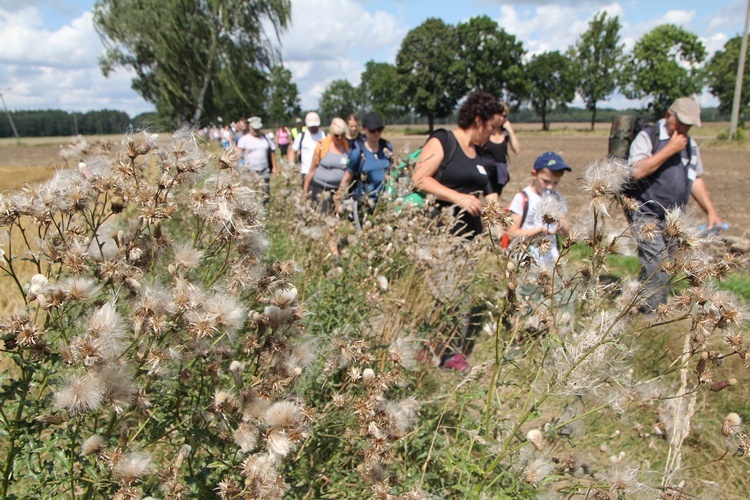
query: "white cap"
255, 122
312, 119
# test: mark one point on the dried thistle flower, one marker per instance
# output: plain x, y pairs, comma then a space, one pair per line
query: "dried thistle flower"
552, 208
36, 289
536, 471
278, 443
186, 256
82, 288
282, 414
404, 352
84, 394
92, 446
368, 376
285, 297
731, 424
536, 437
734, 340
132, 466
605, 177
246, 437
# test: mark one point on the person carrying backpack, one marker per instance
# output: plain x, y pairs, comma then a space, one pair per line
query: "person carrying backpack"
305, 143
666, 173
450, 168
257, 152
369, 164
526, 206
461, 181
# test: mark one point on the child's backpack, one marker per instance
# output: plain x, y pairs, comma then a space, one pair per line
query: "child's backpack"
624, 129
505, 240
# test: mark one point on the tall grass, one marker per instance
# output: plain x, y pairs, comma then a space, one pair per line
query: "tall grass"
176, 339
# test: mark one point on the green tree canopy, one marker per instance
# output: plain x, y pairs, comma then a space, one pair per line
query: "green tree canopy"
492, 57
598, 55
379, 89
551, 83
282, 97
664, 65
192, 57
431, 75
340, 98
722, 76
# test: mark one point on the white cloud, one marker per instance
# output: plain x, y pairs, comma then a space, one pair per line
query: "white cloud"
631, 33
726, 18
714, 43
678, 17
333, 39
25, 41
552, 27
58, 69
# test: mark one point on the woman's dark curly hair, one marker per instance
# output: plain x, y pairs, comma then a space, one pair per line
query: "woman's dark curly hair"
481, 104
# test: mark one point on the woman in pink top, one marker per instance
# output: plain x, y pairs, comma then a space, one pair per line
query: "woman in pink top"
282, 139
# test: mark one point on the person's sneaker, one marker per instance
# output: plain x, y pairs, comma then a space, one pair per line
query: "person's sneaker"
457, 362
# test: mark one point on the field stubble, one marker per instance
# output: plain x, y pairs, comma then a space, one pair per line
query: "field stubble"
34, 161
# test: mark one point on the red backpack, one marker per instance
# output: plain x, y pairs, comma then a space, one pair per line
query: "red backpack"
505, 240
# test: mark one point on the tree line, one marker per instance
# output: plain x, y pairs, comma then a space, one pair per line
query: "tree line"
50, 122
199, 61
438, 64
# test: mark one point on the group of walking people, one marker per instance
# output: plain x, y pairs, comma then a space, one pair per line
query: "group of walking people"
468, 166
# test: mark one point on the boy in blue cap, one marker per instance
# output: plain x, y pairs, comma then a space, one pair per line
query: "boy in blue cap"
539, 213
539, 210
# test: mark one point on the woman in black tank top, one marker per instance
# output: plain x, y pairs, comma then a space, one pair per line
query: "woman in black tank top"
495, 155
459, 179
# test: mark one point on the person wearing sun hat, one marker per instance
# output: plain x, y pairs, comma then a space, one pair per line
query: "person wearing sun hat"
667, 170
304, 145
298, 128
257, 152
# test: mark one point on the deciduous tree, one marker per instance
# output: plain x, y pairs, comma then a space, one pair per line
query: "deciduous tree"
493, 57
340, 98
282, 96
722, 75
551, 83
598, 55
379, 89
431, 75
192, 57
664, 65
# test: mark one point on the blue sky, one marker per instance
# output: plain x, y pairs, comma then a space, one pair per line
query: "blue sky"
50, 48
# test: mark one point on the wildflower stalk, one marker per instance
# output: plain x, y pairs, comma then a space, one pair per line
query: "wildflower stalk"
682, 421
13, 427
72, 441
11, 270
443, 411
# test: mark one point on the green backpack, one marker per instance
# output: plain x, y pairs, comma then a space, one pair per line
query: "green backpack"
622, 133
